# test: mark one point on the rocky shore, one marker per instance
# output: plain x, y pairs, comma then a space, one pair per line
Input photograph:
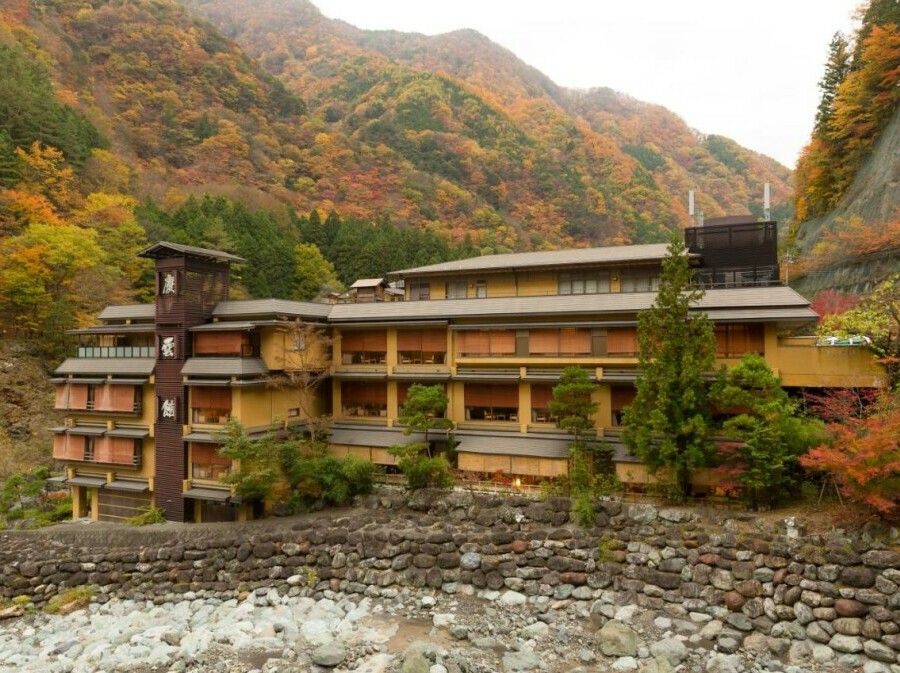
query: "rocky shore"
487, 583
302, 629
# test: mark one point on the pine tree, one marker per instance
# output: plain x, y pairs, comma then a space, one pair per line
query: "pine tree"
668, 424
836, 68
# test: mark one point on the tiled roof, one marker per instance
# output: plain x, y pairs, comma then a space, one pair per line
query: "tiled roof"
224, 367
163, 249
269, 307
579, 256
129, 312
368, 282
796, 307
348, 435
103, 366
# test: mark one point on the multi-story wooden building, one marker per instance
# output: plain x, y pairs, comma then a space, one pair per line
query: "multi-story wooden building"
153, 384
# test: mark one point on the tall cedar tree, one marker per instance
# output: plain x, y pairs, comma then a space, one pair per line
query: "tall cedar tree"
836, 68
668, 424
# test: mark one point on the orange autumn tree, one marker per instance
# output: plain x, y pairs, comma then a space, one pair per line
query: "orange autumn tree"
863, 458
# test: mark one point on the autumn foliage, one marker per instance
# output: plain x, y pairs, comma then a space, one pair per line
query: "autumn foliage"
863, 458
859, 98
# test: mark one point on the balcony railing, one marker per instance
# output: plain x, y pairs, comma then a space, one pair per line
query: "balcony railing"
116, 352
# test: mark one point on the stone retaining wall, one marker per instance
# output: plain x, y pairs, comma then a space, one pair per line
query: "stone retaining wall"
834, 590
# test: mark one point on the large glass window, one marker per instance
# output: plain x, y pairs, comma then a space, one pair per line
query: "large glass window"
557, 342
486, 343
739, 340
210, 405
640, 280
541, 395
584, 282
456, 289
492, 401
118, 451
364, 398
423, 346
364, 347
419, 291
206, 463
622, 341
225, 344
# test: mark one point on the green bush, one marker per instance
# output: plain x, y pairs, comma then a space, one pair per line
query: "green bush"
419, 470
150, 515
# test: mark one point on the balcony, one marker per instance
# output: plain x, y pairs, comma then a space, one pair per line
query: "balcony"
116, 352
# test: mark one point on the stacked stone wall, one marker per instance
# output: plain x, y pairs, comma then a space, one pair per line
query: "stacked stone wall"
837, 590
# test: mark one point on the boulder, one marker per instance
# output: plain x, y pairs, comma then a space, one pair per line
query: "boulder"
616, 639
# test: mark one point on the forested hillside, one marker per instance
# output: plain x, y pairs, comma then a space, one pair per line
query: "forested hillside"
492, 143
318, 152
848, 205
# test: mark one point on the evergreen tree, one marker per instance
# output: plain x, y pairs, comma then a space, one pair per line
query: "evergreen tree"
314, 232
314, 275
836, 68
668, 424
772, 434
877, 13
423, 411
572, 403
10, 167
575, 407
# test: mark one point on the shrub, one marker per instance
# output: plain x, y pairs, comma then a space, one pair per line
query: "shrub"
150, 515
419, 470
69, 600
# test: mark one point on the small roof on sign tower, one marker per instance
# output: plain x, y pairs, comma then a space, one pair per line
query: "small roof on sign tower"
164, 249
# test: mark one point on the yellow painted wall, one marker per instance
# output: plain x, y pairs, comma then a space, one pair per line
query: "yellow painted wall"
252, 406
802, 363
537, 283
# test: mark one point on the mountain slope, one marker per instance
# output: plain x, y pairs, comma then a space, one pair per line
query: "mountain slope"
451, 133
858, 243
571, 175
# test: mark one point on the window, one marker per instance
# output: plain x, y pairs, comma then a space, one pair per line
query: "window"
486, 343
419, 291
622, 341
481, 289
364, 347
640, 281
584, 282
456, 289
425, 346
210, 405
621, 397
739, 340
492, 402
363, 398
558, 342
91, 401
235, 344
119, 451
89, 448
541, 395
206, 463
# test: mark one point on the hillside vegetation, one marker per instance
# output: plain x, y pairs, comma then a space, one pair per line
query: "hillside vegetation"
477, 140
848, 205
